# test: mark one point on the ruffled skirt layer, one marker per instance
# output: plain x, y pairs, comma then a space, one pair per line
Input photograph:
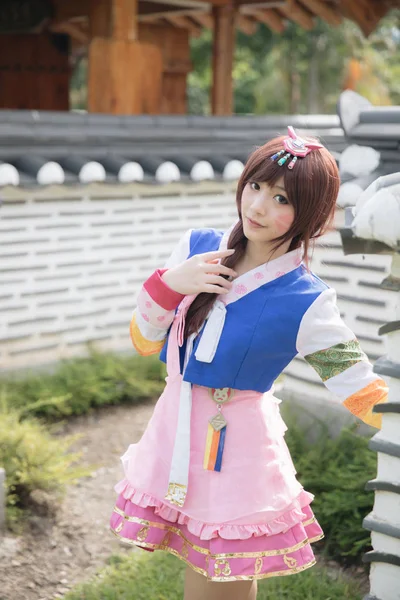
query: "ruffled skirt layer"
249, 521
256, 556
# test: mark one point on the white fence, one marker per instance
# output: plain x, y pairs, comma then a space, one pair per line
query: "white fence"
72, 259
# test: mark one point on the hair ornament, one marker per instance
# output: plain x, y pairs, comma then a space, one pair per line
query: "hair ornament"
277, 155
295, 147
282, 160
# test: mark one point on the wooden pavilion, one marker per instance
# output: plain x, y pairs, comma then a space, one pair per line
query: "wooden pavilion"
138, 50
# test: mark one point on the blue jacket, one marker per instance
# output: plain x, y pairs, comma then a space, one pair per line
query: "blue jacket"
258, 339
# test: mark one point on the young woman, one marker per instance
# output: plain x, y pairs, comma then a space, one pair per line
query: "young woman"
212, 481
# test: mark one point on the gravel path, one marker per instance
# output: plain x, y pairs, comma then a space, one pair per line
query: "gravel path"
61, 551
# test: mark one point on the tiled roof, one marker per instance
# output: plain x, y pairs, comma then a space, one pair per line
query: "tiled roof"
39, 147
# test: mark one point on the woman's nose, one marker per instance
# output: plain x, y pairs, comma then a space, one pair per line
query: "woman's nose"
259, 204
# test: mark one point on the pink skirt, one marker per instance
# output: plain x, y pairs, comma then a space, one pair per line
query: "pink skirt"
219, 559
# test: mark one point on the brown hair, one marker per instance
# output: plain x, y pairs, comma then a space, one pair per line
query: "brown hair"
312, 188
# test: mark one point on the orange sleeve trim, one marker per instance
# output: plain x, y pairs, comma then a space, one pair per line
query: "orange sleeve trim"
362, 402
142, 345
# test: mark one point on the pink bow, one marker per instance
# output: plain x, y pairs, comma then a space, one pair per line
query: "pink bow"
297, 146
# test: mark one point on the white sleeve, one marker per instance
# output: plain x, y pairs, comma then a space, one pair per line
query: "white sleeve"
180, 252
332, 349
156, 304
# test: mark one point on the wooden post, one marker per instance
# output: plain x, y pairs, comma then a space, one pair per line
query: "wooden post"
115, 19
124, 19
173, 43
222, 62
125, 76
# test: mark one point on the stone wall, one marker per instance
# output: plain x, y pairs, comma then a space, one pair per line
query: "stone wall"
73, 258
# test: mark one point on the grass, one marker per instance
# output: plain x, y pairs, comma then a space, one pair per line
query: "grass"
159, 576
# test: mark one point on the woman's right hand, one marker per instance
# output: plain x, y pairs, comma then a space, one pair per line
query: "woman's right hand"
201, 273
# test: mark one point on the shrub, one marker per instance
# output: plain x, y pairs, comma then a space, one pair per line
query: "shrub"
36, 464
336, 471
80, 384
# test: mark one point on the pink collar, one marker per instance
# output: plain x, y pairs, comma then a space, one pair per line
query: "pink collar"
255, 278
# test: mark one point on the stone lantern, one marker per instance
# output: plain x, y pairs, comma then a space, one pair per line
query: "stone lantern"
373, 226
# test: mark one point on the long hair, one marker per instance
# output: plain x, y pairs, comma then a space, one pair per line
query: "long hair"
312, 188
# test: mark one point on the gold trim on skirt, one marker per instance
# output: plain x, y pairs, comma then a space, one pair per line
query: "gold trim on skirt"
221, 558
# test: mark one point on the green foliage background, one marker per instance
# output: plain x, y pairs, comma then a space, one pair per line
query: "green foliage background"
301, 71
297, 72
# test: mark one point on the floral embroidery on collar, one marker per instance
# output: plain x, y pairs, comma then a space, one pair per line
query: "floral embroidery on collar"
255, 278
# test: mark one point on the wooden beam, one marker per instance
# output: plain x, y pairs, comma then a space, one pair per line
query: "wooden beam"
365, 13
99, 18
323, 10
184, 23
116, 19
124, 19
222, 60
204, 20
271, 19
246, 24
76, 31
299, 15
262, 3
219, 2
185, 12
147, 8
124, 77
66, 10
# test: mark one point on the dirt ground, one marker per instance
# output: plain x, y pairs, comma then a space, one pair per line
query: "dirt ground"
61, 551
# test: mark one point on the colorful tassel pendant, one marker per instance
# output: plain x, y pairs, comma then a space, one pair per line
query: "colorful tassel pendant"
215, 445
216, 430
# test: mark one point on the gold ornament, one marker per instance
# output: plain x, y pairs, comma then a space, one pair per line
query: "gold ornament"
185, 550
221, 567
221, 395
167, 539
258, 566
290, 562
218, 421
142, 533
120, 526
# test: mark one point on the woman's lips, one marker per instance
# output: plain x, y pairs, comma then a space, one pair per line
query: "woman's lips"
253, 223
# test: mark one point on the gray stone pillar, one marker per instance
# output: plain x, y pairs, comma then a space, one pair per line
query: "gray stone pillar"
384, 520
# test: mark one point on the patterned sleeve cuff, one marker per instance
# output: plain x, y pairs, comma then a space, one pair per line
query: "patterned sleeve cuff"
362, 402
161, 293
149, 342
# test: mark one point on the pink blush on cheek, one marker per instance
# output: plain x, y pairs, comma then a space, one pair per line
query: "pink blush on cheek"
283, 222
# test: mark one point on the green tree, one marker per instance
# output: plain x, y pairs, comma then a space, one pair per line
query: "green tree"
301, 71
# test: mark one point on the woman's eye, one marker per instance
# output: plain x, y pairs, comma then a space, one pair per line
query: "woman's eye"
281, 199
255, 186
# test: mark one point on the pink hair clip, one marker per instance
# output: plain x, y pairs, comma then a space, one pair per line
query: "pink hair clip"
294, 146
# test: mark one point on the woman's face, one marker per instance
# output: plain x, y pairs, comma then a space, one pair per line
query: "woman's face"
268, 207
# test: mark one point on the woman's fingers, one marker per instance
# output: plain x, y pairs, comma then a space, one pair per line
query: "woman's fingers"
215, 289
207, 256
211, 268
217, 280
